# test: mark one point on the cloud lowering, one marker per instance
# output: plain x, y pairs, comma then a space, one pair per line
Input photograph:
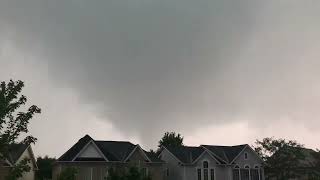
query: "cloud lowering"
146, 67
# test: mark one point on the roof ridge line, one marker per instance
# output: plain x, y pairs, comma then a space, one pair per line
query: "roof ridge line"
113, 141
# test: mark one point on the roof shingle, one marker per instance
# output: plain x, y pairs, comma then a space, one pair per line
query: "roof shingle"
112, 150
224, 154
15, 152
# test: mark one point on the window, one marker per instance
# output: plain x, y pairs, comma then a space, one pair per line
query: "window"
245, 174
254, 173
144, 172
199, 174
106, 173
167, 172
205, 170
205, 164
211, 174
245, 156
236, 173
205, 174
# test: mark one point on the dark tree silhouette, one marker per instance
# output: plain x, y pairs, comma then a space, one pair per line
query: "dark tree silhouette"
282, 158
69, 173
45, 165
134, 173
171, 139
13, 123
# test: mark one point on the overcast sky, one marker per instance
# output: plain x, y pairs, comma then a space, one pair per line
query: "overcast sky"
218, 71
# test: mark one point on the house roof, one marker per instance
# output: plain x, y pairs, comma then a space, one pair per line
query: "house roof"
15, 152
115, 150
112, 150
186, 154
224, 154
75, 149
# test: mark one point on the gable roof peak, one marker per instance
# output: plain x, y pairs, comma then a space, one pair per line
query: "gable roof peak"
226, 153
15, 151
86, 137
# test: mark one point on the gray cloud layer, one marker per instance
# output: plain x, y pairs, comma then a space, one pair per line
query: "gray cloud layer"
151, 66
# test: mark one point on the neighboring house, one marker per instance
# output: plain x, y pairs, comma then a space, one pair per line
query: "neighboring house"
18, 152
93, 159
208, 162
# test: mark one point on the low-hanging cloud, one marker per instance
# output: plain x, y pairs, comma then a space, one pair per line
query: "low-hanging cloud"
151, 66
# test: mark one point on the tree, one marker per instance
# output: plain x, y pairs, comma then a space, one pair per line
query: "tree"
153, 154
44, 168
13, 123
17, 171
171, 139
69, 173
133, 174
282, 157
315, 171
113, 175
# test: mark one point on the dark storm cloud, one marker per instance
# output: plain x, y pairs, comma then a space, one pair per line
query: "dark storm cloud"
151, 66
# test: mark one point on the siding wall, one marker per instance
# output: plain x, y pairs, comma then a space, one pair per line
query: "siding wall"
175, 169
99, 169
31, 174
3, 172
253, 160
26, 176
220, 171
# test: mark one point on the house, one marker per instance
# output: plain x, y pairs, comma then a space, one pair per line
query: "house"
207, 162
93, 159
16, 153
